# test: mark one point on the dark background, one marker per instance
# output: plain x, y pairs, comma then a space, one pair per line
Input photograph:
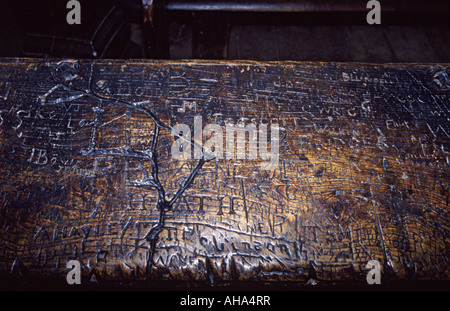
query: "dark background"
264, 30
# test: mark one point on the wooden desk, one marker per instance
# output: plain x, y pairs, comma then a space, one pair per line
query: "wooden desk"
87, 172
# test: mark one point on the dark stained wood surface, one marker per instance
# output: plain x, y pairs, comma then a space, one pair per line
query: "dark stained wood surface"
87, 171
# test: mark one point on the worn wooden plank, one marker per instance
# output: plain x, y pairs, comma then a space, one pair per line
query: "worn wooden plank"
88, 171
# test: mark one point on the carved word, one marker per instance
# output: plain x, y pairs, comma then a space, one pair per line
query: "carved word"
235, 135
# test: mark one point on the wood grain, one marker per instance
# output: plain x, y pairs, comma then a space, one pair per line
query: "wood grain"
87, 171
